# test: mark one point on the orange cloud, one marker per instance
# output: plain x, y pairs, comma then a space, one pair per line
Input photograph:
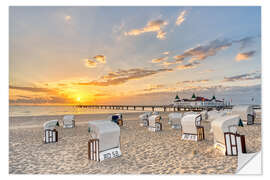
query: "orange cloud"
188, 66
159, 59
123, 76
68, 18
166, 53
181, 18
152, 26
90, 63
100, 58
244, 56
201, 52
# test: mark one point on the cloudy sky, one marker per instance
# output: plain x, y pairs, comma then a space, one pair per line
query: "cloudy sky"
133, 55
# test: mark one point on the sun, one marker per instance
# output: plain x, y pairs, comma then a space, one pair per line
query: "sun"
78, 99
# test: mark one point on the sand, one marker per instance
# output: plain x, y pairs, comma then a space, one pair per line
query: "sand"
143, 152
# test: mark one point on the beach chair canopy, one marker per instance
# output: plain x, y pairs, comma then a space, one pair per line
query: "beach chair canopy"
107, 132
68, 119
190, 122
224, 124
153, 119
243, 111
175, 118
190, 112
51, 124
145, 115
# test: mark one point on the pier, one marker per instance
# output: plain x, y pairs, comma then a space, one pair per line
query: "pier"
154, 107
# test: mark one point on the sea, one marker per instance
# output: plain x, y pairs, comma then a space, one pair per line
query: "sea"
15, 111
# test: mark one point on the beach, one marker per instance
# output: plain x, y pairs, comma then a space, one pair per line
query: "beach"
143, 152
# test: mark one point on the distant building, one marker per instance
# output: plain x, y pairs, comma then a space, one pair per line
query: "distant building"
197, 101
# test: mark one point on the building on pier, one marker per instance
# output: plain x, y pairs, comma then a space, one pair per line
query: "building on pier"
197, 101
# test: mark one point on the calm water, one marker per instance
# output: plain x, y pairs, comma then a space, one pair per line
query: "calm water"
56, 110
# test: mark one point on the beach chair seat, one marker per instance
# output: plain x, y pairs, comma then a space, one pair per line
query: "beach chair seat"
50, 136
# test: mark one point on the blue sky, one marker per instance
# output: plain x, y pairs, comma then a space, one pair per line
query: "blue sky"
115, 54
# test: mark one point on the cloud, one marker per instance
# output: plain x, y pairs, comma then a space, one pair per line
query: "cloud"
201, 52
152, 26
243, 77
31, 89
238, 94
168, 63
157, 60
193, 81
181, 18
68, 18
123, 76
166, 53
154, 87
245, 42
61, 84
100, 58
244, 56
93, 62
188, 66
161, 35
100, 94
41, 100
90, 63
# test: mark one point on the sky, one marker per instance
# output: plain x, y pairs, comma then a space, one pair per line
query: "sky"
133, 55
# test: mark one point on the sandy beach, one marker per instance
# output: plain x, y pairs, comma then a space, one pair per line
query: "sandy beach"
143, 152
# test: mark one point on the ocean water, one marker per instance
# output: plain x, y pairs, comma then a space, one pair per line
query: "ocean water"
58, 110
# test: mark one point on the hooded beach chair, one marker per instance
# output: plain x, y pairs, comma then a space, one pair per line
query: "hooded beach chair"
192, 128
68, 121
50, 133
144, 119
246, 113
226, 138
154, 123
105, 140
117, 118
175, 120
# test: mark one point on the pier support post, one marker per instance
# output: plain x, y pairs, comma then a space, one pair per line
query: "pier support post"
143, 108
134, 107
164, 109
153, 108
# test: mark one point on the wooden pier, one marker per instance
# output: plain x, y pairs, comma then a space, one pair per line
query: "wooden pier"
151, 107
